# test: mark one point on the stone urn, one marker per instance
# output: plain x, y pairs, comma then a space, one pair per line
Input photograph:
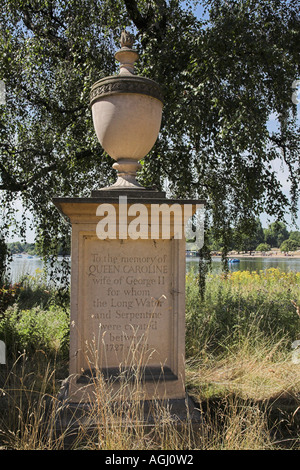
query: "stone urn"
127, 111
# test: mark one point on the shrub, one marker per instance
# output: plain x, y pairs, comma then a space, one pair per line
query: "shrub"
8, 295
263, 247
35, 329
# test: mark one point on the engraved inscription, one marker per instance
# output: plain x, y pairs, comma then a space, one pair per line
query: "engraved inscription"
128, 302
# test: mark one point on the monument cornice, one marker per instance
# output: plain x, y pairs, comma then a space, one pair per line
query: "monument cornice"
75, 208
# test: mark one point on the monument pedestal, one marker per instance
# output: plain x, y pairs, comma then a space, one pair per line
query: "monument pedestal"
127, 338
127, 294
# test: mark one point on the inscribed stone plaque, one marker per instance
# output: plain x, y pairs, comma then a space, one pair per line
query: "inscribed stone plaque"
127, 303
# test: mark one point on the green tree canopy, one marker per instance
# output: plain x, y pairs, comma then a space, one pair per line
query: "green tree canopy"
289, 245
247, 234
263, 247
276, 233
222, 77
295, 235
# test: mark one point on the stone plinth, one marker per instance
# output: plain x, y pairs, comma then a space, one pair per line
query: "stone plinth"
127, 293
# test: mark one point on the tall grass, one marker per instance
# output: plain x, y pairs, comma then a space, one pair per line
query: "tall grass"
239, 367
236, 303
240, 358
31, 415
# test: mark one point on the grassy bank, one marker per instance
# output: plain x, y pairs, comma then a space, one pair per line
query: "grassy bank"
241, 370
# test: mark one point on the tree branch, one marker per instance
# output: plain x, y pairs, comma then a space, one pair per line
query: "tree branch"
50, 106
141, 22
149, 23
11, 184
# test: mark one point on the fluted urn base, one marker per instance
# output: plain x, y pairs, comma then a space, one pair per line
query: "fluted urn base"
127, 169
125, 182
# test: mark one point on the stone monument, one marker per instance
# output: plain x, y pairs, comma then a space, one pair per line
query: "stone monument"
128, 253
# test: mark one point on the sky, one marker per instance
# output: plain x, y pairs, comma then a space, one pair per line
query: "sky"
277, 165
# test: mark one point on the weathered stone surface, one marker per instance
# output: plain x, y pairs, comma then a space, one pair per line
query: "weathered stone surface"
127, 304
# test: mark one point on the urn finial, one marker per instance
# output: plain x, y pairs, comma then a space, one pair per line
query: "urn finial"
127, 39
126, 55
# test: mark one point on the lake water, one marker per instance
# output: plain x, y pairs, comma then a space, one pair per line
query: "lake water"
24, 265
21, 266
249, 264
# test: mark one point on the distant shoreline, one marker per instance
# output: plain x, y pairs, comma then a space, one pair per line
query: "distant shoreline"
267, 255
